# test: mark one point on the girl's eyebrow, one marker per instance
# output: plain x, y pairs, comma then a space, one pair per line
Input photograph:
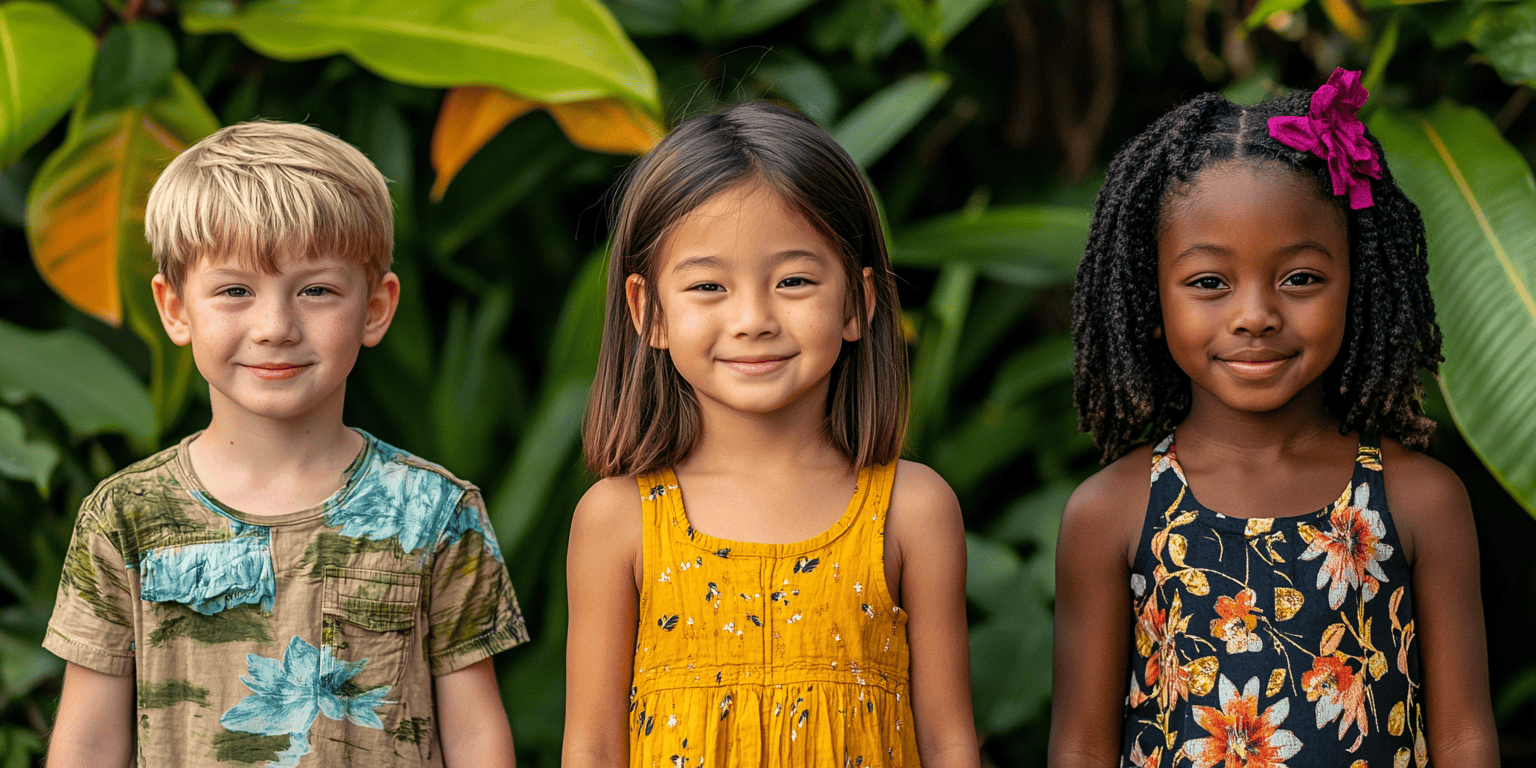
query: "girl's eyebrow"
1221, 250
717, 262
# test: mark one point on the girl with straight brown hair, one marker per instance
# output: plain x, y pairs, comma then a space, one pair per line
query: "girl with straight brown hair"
808, 607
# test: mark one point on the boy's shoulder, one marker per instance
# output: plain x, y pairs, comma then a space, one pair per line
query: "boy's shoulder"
144, 486
399, 461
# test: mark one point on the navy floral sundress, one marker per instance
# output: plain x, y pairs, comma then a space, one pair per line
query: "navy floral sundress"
1272, 642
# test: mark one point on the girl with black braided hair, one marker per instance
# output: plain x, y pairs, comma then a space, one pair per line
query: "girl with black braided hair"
1251, 318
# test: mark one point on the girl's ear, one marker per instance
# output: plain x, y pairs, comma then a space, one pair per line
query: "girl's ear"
639, 303
173, 311
382, 302
851, 331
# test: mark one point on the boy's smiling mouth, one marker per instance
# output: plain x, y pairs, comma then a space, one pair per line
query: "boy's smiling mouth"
756, 365
276, 371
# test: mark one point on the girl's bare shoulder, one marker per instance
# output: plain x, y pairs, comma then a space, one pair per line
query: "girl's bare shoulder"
1105, 513
1427, 499
610, 508
920, 499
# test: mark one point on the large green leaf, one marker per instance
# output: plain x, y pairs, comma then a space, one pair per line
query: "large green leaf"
89, 388
45, 59
85, 219
25, 459
1033, 246
876, 125
135, 61
554, 52
1478, 201
1506, 34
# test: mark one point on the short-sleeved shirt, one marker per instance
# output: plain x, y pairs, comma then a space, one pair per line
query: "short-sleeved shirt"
303, 639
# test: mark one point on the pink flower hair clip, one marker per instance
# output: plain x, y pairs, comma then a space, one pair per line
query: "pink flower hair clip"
1331, 131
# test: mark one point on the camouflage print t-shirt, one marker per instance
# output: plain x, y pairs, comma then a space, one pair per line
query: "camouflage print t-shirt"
304, 639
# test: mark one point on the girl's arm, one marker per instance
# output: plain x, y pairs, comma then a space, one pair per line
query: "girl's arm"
94, 726
472, 721
1434, 521
1093, 615
601, 566
924, 522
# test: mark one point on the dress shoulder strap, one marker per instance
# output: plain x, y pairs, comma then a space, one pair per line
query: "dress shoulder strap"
658, 497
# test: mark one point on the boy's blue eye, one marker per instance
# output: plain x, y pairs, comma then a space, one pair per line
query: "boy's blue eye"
235, 292
315, 290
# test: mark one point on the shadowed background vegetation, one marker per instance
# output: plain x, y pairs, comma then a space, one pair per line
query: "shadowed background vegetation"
984, 126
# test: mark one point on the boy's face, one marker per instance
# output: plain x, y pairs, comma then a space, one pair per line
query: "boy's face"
277, 346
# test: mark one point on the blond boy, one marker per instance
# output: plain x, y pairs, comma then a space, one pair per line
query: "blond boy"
279, 589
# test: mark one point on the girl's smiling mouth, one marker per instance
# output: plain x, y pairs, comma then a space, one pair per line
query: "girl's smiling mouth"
1255, 363
756, 365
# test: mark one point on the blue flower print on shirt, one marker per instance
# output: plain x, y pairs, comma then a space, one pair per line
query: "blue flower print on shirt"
211, 576
468, 518
287, 696
396, 499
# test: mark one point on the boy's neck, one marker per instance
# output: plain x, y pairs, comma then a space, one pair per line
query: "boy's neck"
269, 466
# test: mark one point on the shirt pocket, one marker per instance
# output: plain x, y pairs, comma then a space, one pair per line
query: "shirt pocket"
369, 620
209, 577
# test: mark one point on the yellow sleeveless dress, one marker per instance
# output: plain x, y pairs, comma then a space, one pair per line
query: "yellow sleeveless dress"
752, 654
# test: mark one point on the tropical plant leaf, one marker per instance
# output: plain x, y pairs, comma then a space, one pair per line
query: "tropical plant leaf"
874, 126
25, 459
1478, 201
85, 219
1506, 34
937, 346
716, 21
133, 65
45, 61
87, 386
1032, 246
553, 52
1268, 8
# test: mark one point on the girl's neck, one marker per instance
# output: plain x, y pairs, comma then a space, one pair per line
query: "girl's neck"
1298, 426
792, 438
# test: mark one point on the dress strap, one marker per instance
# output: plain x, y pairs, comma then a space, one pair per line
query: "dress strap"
658, 495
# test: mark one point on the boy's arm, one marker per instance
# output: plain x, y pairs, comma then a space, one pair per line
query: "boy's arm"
925, 524
471, 720
94, 728
1434, 522
604, 555
1093, 615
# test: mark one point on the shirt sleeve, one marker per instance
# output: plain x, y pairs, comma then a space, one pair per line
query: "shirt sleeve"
92, 623
472, 611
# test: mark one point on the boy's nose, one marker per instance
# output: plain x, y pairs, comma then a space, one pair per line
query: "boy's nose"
275, 322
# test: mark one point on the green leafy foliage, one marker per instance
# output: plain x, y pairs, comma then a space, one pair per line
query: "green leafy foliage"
1478, 202
45, 60
134, 63
565, 50
87, 386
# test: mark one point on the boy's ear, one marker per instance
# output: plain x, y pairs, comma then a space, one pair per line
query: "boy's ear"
383, 300
173, 311
639, 303
851, 331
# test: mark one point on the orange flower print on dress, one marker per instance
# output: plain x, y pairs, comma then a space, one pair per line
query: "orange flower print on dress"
1242, 737
1352, 550
1155, 633
1237, 623
1337, 691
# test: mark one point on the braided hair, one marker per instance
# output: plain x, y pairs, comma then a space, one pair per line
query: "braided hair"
1126, 386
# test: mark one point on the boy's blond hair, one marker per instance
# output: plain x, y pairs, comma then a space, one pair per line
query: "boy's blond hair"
257, 191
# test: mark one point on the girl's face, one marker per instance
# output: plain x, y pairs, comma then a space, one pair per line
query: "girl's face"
753, 303
1253, 274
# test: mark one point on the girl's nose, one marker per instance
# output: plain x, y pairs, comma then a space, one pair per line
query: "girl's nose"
274, 321
754, 316
1256, 312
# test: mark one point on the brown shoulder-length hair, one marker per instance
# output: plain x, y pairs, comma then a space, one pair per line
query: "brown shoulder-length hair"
641, 414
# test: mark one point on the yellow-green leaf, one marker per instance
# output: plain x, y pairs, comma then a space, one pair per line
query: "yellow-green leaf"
554, 51
45, 60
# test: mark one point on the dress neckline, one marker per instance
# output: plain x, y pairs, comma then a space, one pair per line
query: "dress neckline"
1165, 458
667, 491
